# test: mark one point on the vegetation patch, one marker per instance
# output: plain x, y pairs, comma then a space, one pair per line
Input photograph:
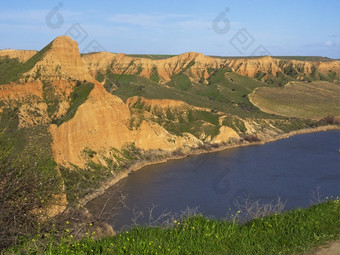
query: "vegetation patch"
291, 232
78, 97
180, 82
13, 69
100, 77
194, 122
29, 183
313, 100
80, 181
154, 75
51, 98
235, 123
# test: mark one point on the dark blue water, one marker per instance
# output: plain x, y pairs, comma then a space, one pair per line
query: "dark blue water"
293, 169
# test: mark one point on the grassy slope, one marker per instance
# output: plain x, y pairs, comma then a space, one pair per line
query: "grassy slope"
224, 94
78, 96
303, 100
12, 69
291, 232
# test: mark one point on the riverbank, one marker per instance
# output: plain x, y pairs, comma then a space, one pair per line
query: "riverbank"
139, 165
291, 232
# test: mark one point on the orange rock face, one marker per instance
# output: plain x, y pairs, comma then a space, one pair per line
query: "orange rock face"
156, 103
120, 63
198, 65
62, 61
102, 122
21, 91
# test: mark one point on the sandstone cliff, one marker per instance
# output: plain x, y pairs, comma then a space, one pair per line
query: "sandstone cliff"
197, 66
60, 60
103, 121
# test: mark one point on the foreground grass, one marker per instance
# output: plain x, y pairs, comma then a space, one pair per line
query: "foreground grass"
287, 233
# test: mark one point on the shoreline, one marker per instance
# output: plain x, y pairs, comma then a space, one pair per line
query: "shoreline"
139, 165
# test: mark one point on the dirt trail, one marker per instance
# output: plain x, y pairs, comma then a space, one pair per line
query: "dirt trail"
332, 248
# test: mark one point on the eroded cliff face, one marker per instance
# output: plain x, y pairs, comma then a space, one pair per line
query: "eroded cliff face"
60, 60
9, 92
103, 121
196, 66
21, 55
156, 104
99, 124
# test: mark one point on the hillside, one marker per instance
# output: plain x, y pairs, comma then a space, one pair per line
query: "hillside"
94, 115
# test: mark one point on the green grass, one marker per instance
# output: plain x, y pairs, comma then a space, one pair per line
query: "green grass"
51, 98
7, 69
12, 70
226, 95
235, 123
302, 100
180, 82
100, 77
154, 75
81, 181
78, 97
178, 121
293, 124
291, 232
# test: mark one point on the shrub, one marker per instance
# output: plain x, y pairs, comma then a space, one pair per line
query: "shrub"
26, 190
251, 138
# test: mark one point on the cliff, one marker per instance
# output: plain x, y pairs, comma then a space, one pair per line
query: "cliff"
110, 110
198, 66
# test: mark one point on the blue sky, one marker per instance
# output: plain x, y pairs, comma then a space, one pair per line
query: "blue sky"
227, 28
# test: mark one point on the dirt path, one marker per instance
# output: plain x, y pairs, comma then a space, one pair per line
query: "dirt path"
332, 248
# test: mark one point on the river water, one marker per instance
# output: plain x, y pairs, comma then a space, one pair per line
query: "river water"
297, 170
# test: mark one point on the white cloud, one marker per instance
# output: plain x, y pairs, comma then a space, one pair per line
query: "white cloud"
328, 43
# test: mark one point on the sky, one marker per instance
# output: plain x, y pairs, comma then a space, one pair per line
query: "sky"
214, 27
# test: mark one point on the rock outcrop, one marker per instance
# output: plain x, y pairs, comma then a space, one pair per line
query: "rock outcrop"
60, 60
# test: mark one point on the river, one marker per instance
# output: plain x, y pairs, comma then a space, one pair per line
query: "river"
296, 169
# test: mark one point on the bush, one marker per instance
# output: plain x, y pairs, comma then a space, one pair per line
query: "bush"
27, 187
251, 138
330, 120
